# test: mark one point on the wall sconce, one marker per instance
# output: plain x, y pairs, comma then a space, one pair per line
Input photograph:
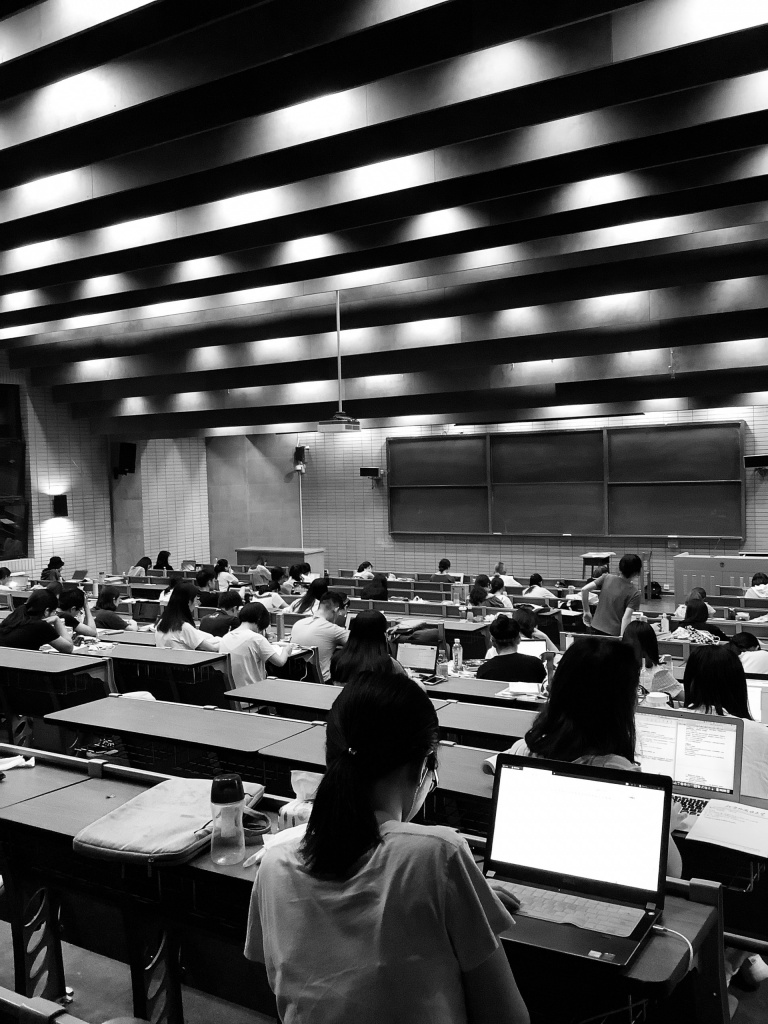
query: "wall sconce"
60, 506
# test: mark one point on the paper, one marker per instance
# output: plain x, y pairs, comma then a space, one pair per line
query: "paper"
736, 826
7, 763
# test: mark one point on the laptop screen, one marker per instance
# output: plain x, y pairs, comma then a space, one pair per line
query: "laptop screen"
533, 648
755, 698
698, 752
579, 832
417, 657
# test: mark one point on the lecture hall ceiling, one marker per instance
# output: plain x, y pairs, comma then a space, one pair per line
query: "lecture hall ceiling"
530, 210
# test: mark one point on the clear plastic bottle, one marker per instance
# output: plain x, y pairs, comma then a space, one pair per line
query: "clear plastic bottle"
227, 803
442, 662
458, 655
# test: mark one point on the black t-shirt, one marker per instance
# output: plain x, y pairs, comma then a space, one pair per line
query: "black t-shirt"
105, 619
513, 668
219, 624
29, 636
208, 598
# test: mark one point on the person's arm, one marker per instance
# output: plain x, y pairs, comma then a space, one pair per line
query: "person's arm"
585, 592
626, 618
62, 643
491, 993
209, 643
87, 627
281, 655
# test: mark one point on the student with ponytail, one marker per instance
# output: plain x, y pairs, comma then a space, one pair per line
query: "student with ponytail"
368, 916
35, 624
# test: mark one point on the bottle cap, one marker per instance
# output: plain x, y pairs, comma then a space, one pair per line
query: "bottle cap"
227, 789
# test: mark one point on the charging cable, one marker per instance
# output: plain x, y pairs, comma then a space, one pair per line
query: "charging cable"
661, 930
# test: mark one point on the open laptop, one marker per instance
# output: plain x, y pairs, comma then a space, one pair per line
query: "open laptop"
757, 695
533, 648
419, 658
79, 574
585, 851
700, 753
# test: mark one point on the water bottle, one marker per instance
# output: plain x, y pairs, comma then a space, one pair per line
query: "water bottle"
665, 623
227, 803
442, 662
458, 655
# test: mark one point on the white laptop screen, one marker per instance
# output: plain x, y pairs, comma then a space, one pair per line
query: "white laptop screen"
582, 828
695, 753
419, 657
533, 648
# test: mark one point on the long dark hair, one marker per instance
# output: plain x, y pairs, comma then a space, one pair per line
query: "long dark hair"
39, 604
642, 639
315, 591
107, 599
173, 582
162, 560
534, 580
715, 682
145, 563
54, 562
177, 610
591, 708
373, 729
744, 641
526, 620
221, 566
376, 589
477, 595
367, 644
696, 612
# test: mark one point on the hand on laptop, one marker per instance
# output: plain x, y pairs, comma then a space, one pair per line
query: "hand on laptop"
511, 902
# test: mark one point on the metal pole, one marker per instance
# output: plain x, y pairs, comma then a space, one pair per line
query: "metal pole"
301, 513
338, 344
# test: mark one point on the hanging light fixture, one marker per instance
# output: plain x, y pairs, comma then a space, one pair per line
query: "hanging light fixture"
340, 422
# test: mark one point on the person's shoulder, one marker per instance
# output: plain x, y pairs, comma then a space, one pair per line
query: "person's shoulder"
439, 839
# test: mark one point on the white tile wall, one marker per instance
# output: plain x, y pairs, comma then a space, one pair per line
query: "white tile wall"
175, 494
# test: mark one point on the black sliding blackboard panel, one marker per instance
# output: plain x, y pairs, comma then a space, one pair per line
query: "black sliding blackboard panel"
686, 509
700, 452
438, 510
547, 456
548, 508
449, 460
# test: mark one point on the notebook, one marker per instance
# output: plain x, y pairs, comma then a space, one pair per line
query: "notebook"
419, 658
700, 753
584, 849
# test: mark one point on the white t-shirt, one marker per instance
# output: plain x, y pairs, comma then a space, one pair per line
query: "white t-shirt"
539, 592
271, 600
509, 581
755, 662
185, 639
319, 632
224, 579
249, 653
387, 946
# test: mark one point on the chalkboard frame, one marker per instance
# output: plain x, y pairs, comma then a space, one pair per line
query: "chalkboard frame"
601, 517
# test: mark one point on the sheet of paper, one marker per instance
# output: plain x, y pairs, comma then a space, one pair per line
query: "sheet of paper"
736, 826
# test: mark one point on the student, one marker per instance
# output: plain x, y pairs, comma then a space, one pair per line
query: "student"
320, 630
442, 575
35, 624
509, 665
207, 590
751, 654
697, 592
759, 588
509, 580
52, 572
619, 597
224, 577
176, 628
497, 597
74, 611
535, 589
366, 646
248, 648
377, 589
173, 582
308, 604
286, 583
364, 572
225, 618
590, 716
5, 580
162, 561
478, 594
696, 617
270, 595
526, 620
368, 917
141, 568
655, 676
294, 575
105, 615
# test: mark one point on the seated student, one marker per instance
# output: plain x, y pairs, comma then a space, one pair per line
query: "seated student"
224, 577
36, 624
590, 716
162, 561
321, 630
535, 589
105, 615
52, 572
377, 589
286, 583
5, 580
141, 568
478, 595
509, 580
526, 620
619, 597
225, 618
497, 597
308, 604
655, 676
367, 917
294, 575
696, 617
306, 572
207, 590
698, 593
508, 665
751, 654
364, 572
270, 594
75, 612
176, 627
366, 646
759, 588
442, 575
173, 581
248, 648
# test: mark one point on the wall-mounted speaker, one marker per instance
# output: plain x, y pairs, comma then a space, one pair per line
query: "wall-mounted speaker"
60, 505
756, 461
126, 459
371, 471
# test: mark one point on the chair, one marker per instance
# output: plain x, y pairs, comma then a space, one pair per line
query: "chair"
17, 1009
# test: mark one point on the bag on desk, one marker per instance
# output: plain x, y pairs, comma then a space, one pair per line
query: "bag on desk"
297, 812
168, 824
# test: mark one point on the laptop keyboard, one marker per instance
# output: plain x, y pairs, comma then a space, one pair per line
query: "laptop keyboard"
562, 908
690, 804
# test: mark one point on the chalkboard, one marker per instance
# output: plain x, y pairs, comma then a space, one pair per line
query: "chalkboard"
702, 452
443, 460
438, 510
688, 510
547, 456
548, 508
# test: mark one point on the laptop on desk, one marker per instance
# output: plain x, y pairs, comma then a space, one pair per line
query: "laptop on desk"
700, 753
585, 851
757, 695
79, 574
421, 659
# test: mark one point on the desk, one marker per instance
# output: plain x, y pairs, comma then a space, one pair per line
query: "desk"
127, 636
481, 691
202, 676
294, 698
483, 724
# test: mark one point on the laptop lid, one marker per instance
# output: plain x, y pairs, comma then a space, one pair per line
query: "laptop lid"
80, 574
589, 831
533, 648
700, 753
755, 693
417, 657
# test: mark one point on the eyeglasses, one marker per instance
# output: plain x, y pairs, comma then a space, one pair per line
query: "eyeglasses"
430, 766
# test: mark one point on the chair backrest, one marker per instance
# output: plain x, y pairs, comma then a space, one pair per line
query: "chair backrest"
18, 1009
346, 573
753, 602
425, 608
389, 606
359, 604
